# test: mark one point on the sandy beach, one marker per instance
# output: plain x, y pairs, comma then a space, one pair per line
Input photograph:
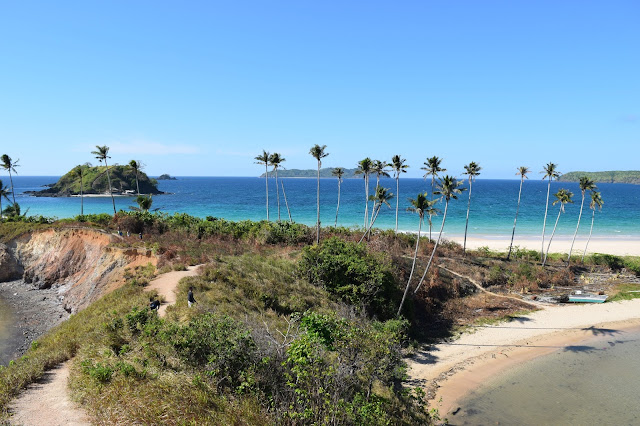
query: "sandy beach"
621, 246
452, 369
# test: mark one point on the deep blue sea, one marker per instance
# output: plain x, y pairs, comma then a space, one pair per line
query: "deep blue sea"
493, 204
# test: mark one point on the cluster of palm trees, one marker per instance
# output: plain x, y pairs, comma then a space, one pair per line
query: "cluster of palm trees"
8, 164
275, 160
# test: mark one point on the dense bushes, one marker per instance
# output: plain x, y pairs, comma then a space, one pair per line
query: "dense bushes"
356, 276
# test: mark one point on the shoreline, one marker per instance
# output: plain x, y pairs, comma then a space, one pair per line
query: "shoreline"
450, 371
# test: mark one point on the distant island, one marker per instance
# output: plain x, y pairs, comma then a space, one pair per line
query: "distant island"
630, 176
311, 173
166, 177
94, 181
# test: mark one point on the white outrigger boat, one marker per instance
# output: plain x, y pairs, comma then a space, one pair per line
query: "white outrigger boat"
579, 297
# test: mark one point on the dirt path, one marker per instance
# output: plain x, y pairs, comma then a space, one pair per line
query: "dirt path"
47, 402
166, 285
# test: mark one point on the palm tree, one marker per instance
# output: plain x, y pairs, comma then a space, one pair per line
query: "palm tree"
9, 165
448, 188
4, 192
338, 172
433, 169
586, 184
365, 168
101, 155
136, 166
275, 159
398, 166
563, 197
522, 172
472, 170
264, 159
420, 205
596, 201
551, 173
144, 202
318, 153
382, 196
78, 171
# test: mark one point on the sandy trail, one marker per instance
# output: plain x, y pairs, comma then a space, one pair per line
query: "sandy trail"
47, 402
449, 370
166, 285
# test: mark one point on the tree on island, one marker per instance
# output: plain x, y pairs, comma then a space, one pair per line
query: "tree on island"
136, 166
448, 188
9, 165
421, 205
318, 153
563, 197
596, 202
586, 184
338, 172
264, 159
433, 169
365, 168
551, 173
4, 193
144, 203
522, 172
398, 166
275, 160
472, 170
101, 154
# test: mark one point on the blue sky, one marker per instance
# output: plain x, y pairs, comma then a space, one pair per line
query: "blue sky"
200, 88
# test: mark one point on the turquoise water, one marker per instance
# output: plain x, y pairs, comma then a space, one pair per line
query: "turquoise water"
492, 208
595, 382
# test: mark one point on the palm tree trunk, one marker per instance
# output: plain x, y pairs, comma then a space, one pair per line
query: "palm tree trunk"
397, 199
577, 227
513, 233
277, 194
464, 246
13, 190
338, 206
137, 183
266, 180
285, 202
318, 208
432, 181
374, 215
366, 200
113, 201
552, 234
81, 196
435, 247
413, 266
546, 210
593, 216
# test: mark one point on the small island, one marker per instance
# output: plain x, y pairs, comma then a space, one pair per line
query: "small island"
629, 176
94, 182
166, 176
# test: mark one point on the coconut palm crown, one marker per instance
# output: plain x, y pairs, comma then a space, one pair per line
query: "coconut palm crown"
10, 165
398, 167
318, 152
101, 154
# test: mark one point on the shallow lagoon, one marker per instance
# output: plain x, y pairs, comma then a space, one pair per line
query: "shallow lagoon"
594, 382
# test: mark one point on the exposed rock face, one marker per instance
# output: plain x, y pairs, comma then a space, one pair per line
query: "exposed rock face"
78, 262
9, 267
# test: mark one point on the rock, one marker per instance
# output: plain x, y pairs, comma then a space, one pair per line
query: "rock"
9, 268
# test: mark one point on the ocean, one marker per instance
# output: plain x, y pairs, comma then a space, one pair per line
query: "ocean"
493, 204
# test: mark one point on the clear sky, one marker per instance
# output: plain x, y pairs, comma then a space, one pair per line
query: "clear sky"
200, 88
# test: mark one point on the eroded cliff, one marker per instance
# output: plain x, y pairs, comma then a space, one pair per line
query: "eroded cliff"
79, 262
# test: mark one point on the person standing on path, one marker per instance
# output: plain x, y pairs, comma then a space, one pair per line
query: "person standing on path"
190, 298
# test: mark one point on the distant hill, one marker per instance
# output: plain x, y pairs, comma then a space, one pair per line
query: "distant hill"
95, 182
311, 173
166, 177
631, 176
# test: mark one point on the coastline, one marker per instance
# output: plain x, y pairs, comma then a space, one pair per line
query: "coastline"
451, 370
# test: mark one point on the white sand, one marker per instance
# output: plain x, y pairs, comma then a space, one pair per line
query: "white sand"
464, 364
622, 246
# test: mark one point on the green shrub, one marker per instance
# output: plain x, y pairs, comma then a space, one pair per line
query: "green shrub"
356, 276
615, 263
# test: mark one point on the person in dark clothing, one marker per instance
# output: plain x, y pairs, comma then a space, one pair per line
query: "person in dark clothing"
154, 304
190, 298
